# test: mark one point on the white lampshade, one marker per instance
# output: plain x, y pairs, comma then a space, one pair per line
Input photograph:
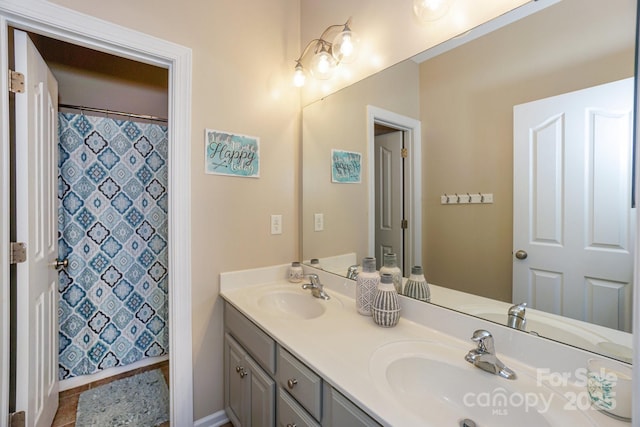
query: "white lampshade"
345, 46
299, 76
323, 64
431, 10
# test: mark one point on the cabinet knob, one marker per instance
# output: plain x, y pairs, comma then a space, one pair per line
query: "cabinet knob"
292, 383
240, 370
291, 425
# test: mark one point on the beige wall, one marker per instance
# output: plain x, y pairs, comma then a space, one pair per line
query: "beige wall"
240, 52
467, 99
340, 121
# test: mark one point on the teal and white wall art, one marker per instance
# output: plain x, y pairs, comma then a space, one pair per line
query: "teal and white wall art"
346, 167
232, 154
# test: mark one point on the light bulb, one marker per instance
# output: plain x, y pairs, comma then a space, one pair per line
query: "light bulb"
430, 10
345, 46
323, 65
299, 76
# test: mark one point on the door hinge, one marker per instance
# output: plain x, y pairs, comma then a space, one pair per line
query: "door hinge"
17, 253
404, 153
16, 82
404, 224
17, 419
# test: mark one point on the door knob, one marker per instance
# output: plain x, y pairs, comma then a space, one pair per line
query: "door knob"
60, 264
521, 254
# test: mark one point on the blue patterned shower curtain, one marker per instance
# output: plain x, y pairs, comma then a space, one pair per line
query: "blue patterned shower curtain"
113, 230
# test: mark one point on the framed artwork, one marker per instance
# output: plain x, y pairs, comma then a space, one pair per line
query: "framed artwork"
346, 167
231, 154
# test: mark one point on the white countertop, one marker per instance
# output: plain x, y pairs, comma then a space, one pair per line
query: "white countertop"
339, 344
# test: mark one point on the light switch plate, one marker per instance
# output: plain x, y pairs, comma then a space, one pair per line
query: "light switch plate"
318, 222
276, 224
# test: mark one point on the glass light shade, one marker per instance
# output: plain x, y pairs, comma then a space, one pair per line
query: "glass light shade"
430, 10
345, 46
323, 65
299, 76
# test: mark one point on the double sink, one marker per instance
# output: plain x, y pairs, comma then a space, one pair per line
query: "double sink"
429, 379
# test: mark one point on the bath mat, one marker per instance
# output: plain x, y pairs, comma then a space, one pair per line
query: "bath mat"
139, 400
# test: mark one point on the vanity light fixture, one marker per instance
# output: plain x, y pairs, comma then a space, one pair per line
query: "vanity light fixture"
431, 10
327, 55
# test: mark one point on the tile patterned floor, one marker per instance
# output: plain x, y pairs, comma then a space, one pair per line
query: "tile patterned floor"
68, 404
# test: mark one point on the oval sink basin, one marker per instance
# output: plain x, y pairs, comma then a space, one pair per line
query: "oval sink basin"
291, 303
435, 384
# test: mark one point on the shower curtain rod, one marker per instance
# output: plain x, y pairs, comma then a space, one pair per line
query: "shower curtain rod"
117, 113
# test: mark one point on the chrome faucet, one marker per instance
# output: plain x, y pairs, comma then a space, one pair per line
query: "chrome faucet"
516, 318
317, 289
352, 272
484, 356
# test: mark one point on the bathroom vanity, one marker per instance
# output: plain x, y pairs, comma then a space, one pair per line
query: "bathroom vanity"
292, 359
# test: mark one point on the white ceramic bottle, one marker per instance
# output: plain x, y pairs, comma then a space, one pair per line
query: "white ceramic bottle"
295, 272
390, 265
366, 286
385, 307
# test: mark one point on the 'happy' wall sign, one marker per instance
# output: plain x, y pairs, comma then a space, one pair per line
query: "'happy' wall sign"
231, 154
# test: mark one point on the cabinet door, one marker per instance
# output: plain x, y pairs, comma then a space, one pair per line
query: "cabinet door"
236, 383
263, 392
340, 411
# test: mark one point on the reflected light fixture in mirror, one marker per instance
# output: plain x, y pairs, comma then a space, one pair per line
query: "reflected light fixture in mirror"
430, 10
327, 56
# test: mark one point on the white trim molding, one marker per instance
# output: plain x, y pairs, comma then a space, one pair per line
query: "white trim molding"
412, 127
216, 419
64, 24
4, 230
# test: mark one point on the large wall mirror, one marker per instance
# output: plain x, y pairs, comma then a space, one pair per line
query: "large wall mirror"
551, 93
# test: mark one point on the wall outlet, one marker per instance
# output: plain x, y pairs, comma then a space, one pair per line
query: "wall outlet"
318, 222
276, 224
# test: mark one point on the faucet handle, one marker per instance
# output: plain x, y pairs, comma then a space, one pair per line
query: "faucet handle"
484, 340
315, 281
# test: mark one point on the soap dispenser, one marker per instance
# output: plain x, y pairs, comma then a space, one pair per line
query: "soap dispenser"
366, 286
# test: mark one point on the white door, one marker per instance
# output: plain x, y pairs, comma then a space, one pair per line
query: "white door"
389, 196
572, 209
36, 225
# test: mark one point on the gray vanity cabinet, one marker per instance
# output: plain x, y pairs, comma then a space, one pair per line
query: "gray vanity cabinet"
253, 362
249, 390
340, 411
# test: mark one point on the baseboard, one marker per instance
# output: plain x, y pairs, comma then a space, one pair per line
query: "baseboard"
110, 372
216, 419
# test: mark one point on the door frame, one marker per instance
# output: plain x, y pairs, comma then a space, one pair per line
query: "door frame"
413, 193
67, 25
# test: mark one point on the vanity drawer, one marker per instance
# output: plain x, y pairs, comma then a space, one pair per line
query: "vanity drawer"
258, 343
301, 382
291, 414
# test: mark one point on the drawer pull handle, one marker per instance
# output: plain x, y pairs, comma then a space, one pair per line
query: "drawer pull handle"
292, 383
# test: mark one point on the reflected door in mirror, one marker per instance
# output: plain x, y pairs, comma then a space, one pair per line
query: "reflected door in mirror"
574, 218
